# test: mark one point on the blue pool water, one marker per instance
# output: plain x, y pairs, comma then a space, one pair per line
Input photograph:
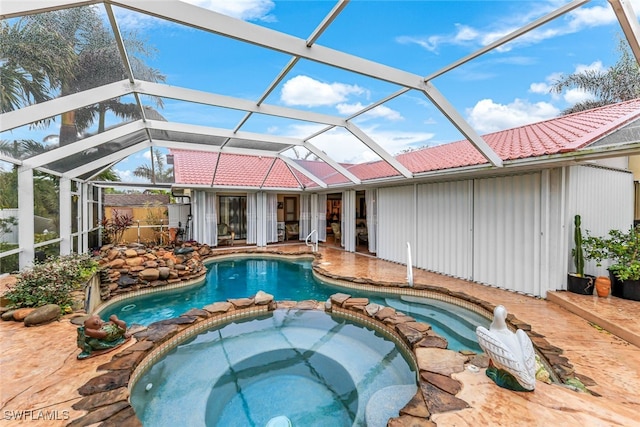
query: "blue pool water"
314, 368
289, 280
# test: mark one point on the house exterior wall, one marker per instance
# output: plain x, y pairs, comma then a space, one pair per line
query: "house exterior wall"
396, 223
604, 200
513, 232
445, 228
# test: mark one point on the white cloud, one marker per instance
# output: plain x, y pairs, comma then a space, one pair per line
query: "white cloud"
247, 10
381, 111
343, 147
487, 116
575, 96
572, 22
303, 90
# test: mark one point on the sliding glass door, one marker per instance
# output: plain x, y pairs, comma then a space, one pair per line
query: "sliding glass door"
233, 212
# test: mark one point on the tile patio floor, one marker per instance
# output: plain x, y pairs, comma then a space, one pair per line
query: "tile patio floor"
39, 370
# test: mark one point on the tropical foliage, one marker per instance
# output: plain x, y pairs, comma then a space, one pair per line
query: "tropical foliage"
620, 82
622, 248
158, 171
51, 282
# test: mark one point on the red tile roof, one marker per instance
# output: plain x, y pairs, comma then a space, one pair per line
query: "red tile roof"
554, 136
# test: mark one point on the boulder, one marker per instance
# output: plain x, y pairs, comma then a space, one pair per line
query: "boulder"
20, 314
263, 298
131, 253
41, 315
149, 274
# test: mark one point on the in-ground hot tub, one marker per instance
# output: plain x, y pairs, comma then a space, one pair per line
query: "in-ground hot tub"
314, 368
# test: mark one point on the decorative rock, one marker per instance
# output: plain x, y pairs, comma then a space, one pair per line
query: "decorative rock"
100, 414
218, 307
416, 407
131, 253
355, 301
443, 382
149, 274
445, 362
262, 298
385, 312
105, 382
157, 333
117, 263
439, 401
307, 305
129, 361
41, 315
410, 335
371, 309
134, 262
150, 264
409, 421
126, 281
339, 298
20, 314
164, 272
433, 341
125, 418
101, 399
197, 312
241, 302
7, 315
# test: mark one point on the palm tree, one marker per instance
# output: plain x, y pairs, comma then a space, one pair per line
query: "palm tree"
621, 82
160, 172
33, 59
83, 54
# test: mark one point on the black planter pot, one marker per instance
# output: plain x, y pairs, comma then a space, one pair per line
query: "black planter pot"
631, 289
616, 285
582, 285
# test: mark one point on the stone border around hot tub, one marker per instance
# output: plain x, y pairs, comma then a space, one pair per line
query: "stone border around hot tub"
107, 395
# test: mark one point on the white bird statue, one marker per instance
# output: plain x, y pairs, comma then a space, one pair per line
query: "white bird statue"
510, 352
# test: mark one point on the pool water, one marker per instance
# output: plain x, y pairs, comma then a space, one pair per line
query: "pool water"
314, 368
290, 280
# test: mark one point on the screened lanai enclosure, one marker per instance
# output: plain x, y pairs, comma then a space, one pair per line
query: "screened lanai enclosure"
271, 126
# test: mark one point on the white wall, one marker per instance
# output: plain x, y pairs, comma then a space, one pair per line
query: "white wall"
396, 223
445, 228
507, 232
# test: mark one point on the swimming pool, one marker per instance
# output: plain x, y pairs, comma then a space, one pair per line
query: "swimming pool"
289, 280
314, 368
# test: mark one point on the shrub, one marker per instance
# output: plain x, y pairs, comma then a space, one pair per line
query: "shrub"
51, 282
622, 248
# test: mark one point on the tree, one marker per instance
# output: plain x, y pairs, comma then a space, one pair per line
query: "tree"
160, 172
88, 57
621, 82
33, 59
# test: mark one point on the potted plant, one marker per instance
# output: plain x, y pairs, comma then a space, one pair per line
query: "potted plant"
579, 282
623, 250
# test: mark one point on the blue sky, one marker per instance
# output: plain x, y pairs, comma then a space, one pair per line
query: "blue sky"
501, 89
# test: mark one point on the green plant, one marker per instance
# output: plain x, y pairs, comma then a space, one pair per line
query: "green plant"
51, 282
621, 248
113, 229
578, 256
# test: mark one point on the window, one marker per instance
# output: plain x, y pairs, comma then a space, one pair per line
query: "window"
290, 209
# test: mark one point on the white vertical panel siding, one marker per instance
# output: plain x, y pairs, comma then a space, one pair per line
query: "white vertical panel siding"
396, 223
348, 227
507, 230
604, 200
444, 235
